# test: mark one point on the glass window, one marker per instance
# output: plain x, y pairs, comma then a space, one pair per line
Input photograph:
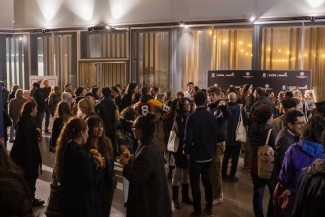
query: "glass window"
104, 45
232, 49
153, 59
314, 57
281, 48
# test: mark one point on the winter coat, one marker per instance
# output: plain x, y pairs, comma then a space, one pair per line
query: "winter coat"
125, 102
148, 190
299, 156
249, 102
79, 184
283, 141
39, 98
257, 134
54, 100
6, 123
310, 196
15, 107
179, 126
200, 135
25, 151
233, 122
5, 94
110, 106
222, 114
56, 130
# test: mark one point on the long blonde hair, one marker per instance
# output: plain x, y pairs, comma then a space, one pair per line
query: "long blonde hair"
86, 104
70, 131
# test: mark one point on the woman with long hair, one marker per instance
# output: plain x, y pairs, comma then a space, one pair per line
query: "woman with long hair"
310, 101
148, 194
62, 115
183, 109
127, 97
85, 109
54, 99
9, 170
98, 140
170, 96
247, 98
25, 151
96, 92
78, 174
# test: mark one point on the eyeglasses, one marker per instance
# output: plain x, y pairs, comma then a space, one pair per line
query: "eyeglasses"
300, 123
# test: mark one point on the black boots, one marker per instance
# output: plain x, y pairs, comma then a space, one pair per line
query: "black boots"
175, 197
185, 197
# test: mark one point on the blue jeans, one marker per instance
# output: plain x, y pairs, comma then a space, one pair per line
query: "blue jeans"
259, 187
197, 170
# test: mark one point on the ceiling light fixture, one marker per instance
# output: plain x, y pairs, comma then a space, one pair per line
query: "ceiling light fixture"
182, 24
251, 18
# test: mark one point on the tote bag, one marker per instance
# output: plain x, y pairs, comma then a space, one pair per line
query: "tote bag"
240, 130
53, 208
173, 141
265, 157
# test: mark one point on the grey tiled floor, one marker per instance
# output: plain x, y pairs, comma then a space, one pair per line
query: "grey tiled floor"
237, 196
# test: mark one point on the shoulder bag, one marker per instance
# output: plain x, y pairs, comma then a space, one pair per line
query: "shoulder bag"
265, 159
240, 130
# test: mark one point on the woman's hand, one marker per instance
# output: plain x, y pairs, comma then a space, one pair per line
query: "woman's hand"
98, 160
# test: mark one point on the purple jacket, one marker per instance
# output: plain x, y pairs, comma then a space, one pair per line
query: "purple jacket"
298, 157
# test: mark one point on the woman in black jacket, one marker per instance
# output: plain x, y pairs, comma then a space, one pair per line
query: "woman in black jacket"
97, 140
78, 175
25, 151
148, 195
183, 109
127, 97
258, 132
62, 115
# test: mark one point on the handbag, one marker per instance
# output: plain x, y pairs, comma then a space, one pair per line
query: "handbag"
241, 130
53, 208
265, 159
173, 141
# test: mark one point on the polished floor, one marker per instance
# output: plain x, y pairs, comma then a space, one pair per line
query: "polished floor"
237, 196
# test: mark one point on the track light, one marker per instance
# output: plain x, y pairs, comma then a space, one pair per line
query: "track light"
90, 29
312, 19
182, 24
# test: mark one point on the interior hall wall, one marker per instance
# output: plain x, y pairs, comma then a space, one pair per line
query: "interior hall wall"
63, 13
6, 14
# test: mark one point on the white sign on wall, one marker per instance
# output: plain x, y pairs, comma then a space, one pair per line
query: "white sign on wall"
53, 80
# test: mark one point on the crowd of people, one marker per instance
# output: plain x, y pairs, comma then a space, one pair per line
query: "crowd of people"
93, 127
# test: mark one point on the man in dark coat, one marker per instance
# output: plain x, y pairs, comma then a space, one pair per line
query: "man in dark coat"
232, 146
46, 91
200, 139
38, 96
293, 125
5, 94
260, 99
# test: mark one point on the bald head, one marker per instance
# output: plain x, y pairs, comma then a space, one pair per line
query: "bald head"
232, 97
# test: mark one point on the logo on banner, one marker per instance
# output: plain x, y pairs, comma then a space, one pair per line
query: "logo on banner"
284, 87
267, 87
213, 75
272, 75
283, 75
220, 75
264, 75
230, 75
215, 85
302, 75
248, 75
303, 88
292, 87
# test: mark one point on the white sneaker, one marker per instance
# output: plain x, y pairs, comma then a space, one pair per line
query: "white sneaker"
218, 200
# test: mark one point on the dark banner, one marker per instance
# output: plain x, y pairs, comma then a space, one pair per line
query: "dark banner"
1, 118
271, 80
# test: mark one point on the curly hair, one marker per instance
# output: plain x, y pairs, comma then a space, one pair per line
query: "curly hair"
262, 114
